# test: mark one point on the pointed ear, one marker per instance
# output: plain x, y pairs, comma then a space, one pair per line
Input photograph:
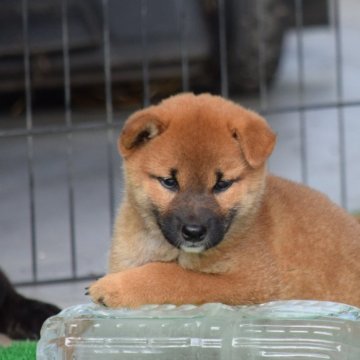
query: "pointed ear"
255, 136
140, 128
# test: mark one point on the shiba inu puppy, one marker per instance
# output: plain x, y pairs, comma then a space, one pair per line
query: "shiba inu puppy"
202, 221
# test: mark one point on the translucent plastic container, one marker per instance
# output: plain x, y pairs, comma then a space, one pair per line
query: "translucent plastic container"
296, 330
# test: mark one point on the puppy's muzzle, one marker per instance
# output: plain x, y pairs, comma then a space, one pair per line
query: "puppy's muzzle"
193, 222
193, 232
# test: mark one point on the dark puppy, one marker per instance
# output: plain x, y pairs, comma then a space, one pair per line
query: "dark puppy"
21, 318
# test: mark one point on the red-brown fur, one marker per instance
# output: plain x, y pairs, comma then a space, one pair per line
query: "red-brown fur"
286, 241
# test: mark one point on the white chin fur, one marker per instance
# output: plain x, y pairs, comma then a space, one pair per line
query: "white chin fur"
193, 249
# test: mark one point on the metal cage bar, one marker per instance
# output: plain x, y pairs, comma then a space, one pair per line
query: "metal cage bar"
185, 76
263, 90
340, 110
301, 77
30, 139
100, 125
109, 109
145, 55
69, 136
224, 82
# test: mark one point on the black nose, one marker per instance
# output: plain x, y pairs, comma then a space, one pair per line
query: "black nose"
193, 232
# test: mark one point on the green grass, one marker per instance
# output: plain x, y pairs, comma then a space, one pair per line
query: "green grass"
19, 350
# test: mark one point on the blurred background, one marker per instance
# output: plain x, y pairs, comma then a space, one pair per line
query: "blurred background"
71, 71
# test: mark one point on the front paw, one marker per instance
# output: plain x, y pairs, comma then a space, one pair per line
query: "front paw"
117, 290
153, 283
104, 291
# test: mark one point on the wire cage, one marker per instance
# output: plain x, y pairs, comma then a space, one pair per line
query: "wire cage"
60, 173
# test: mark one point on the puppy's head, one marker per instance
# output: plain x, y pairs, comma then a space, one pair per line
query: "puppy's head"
195, 167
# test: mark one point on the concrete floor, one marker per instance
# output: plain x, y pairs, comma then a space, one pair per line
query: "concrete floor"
91, 190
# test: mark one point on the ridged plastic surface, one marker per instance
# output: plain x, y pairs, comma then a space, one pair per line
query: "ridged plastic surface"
296, 330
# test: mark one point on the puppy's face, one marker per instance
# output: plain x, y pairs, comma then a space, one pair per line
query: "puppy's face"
195, 166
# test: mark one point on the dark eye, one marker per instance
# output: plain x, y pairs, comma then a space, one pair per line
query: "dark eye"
222, 185
169, 183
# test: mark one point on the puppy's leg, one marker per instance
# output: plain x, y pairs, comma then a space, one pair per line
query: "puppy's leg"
168, 283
